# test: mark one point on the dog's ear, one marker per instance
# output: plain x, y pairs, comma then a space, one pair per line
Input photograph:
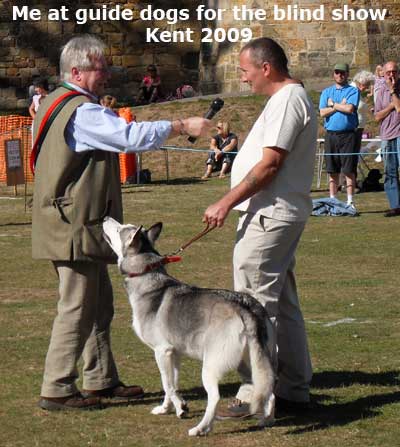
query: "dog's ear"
132, 240
154, 231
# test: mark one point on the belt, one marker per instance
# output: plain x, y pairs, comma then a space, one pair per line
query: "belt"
338, 132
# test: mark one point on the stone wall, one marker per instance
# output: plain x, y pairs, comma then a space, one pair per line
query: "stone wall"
29, 49
313, 47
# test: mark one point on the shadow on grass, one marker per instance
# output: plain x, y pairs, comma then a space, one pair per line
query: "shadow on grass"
178, 181
15, 224
322, 417
130, 188
336, 379
325, 412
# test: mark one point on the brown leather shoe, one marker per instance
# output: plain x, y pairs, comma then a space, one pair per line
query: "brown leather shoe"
117, 392
76, 402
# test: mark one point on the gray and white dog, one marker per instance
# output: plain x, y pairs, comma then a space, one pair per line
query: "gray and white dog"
219, 327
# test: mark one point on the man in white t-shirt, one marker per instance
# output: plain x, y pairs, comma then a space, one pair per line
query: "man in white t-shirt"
271, 181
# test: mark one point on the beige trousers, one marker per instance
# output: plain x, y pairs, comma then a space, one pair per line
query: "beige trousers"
81, 329
264, 260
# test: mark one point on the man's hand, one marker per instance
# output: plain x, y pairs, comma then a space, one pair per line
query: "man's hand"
330, 102
216, 213
194, 126
391, 83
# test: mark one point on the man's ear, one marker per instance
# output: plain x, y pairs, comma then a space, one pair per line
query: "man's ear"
266, 68
154, 231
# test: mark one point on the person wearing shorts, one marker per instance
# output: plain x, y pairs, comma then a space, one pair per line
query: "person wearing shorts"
338, 106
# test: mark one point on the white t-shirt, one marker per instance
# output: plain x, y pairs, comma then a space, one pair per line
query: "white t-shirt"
289, 122
36, 101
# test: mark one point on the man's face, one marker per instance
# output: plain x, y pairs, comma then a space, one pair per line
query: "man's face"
251, 74
340, 77
95, 79
391, 71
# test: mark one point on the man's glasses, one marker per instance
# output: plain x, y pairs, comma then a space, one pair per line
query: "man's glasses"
391, 71
339, 72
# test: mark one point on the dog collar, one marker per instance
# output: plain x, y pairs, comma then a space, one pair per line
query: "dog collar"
156, 265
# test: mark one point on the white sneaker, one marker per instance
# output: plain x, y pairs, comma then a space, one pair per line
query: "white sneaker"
351, 205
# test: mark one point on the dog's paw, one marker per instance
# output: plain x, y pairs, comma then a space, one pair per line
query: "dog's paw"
183, 411
196, 431
160, 410
268, 421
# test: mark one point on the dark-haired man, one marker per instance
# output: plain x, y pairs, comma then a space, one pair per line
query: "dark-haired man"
338, 106
271, 181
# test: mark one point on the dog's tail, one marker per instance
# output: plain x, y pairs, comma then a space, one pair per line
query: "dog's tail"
262, 371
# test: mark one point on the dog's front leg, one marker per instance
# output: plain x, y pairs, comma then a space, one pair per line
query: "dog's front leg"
164, 357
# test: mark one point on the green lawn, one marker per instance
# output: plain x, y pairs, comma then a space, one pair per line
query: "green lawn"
347, 269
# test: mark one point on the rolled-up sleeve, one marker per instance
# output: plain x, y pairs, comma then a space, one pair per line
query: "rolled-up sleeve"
95, 127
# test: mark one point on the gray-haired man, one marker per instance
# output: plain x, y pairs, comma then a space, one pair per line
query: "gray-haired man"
77, 184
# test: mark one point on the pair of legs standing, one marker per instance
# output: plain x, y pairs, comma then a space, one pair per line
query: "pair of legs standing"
264, 260
81, 329
391, 157
342, 150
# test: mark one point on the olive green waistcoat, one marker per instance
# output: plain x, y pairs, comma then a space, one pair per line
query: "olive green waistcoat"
73, 192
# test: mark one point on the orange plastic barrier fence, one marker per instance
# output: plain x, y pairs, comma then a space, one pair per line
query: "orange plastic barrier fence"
127, 162
19, 127
16, 127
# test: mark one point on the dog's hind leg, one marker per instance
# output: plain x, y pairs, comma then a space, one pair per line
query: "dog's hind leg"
210, 377
165, 362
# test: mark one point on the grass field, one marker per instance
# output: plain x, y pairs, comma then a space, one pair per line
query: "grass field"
348, 280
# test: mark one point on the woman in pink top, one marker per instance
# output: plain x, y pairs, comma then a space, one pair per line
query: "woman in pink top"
150, 87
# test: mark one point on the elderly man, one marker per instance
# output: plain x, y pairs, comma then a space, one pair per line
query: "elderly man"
387, 113
271, 181
338, 106
77, 184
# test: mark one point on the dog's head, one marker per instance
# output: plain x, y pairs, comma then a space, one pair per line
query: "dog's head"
127, 241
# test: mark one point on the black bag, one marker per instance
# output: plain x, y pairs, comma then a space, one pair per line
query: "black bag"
371, 182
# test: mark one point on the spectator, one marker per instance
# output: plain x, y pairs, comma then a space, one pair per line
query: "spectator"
41, 87
387, 113
110, 102
223, 151
77, 184
338, 106
271, 181
363, 81
379, 79
150, 87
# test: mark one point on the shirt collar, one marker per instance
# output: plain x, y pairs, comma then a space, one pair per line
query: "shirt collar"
81, 90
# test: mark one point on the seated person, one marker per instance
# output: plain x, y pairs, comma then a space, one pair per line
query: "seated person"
222, 147
41, 87
150, 87
109, 102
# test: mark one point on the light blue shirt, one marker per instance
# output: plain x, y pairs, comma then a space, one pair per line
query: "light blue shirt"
93, 126
340, 121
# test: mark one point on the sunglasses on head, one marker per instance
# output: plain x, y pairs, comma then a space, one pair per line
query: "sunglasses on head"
341, 72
